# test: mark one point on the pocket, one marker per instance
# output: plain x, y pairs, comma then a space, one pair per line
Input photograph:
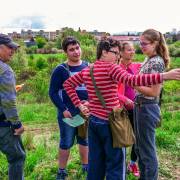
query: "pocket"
5, 136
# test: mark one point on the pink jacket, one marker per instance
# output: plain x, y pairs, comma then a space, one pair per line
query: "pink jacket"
135, 68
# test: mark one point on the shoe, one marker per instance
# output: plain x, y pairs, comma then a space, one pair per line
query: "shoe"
84, 170
133, 169
61, 175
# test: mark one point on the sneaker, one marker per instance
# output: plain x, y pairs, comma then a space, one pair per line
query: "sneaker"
84, 170
133, 169
61, 176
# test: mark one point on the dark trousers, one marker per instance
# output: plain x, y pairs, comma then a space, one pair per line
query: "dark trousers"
13, 148
103, 159
133, 153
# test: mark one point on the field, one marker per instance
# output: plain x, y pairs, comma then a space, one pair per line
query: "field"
41, 138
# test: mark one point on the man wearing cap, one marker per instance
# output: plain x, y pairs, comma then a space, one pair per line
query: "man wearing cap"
10, 124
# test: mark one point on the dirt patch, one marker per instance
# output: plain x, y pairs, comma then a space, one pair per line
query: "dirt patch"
42, 129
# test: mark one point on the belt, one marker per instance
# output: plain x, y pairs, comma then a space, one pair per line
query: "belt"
141, 104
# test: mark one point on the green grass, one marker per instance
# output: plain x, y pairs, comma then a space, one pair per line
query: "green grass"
41, 136
59, 56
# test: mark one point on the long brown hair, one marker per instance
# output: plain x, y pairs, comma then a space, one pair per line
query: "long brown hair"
161, 48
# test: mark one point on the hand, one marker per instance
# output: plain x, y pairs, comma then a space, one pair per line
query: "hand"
67, 114
84, 110
19, 131
85, 103
172, 75
129, 103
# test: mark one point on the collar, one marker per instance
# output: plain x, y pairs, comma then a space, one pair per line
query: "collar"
124, 67
2, 60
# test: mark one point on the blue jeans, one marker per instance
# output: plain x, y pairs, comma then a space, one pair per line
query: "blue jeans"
13, 148
103, 159
68, 134
145, 122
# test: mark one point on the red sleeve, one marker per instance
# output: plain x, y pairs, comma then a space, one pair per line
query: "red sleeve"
119, 74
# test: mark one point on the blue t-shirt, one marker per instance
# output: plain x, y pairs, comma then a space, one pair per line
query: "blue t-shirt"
57, 93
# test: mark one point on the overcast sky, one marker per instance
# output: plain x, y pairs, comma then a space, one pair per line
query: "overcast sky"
111, 16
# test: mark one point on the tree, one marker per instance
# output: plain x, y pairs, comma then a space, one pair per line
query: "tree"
79, 29
168, 41
175, 38
108, 34
32, 39
40, 40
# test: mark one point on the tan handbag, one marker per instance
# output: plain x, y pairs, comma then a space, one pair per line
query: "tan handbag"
120, 126
83, 128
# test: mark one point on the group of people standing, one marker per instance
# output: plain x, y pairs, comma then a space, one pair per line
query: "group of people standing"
71, 90
134, 83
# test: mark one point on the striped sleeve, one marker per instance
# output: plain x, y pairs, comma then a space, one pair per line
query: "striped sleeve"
119, 74
70, 85
8, 93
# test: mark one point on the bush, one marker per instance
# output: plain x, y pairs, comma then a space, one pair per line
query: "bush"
34, 48
41, 62
88, 53
171, 86
137, 48
39, 85
19, 62
171, 48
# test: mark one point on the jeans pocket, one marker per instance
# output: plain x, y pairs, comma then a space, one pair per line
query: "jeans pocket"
5, 136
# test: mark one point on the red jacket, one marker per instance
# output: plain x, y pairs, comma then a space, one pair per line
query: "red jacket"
135, 68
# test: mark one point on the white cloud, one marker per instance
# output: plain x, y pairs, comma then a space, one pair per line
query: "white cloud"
110, 16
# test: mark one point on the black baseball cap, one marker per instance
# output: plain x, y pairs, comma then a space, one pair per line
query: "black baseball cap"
5, 39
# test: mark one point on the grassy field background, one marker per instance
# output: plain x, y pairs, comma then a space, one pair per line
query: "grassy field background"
41, 138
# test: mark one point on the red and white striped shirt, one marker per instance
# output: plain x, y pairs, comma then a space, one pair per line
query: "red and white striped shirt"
106, 75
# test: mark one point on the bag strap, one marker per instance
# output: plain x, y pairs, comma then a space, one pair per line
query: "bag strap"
98, 93
67, 66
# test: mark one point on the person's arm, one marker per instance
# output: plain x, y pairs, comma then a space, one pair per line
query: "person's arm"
122, 98
153, 91
55, 85
70, 85
8, 100
119, 74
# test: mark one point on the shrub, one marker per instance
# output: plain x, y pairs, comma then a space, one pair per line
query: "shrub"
39, 85
88, 53
19, 62
171, 86
34, 48
41, 62
137, 48
171, 48
52, 63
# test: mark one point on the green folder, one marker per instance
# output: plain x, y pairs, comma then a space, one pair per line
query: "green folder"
75, 122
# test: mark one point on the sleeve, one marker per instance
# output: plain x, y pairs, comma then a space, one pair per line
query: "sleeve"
8, 99
54, 87
119, 74
122, 98
70, 85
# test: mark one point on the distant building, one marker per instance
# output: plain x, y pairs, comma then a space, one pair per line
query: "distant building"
173, 31
30, 33
132, 39
95, 32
